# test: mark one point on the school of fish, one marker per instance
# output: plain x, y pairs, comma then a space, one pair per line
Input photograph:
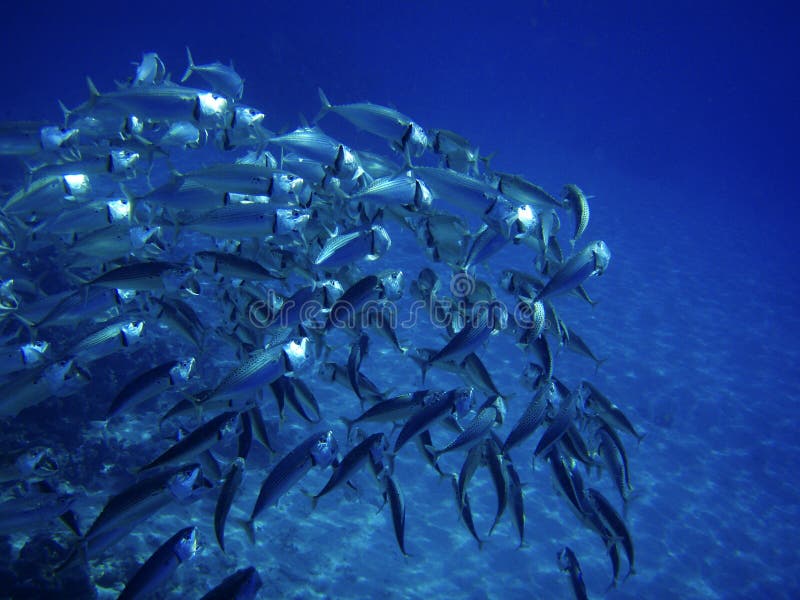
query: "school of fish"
177, 274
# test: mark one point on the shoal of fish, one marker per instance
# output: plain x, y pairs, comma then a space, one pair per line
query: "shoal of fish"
170, 262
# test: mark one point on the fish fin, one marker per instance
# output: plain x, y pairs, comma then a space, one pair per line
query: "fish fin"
93, 93
190, 68
599, 362
435, 454
249, 528
326, 105
348, 423
67, 112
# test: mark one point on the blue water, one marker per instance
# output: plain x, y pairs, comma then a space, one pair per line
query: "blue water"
679, 120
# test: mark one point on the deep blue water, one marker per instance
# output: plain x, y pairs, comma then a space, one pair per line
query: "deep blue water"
679, 120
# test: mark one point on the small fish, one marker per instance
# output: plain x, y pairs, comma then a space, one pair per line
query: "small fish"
558, 426
396, 191
150, 71
161, 565
477, 430
575, 201
311, 143
595, 401
242, 585
221, 78
343, 249
517, 500
465, 512
344, 312
523, 191
144, 498
471, 337
576, 344
389, 410
568, 562
474, 459
232, 265
589, 262
319, 449
197, 441
403, 133
349, 464
262, 368
150, 384
436, 408
140, 276
230, 487
615, 458
496, 463
398, 507
610, 517
533, 416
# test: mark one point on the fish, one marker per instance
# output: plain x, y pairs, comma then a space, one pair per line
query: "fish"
523, 191
401, 190
435, 409
242, 585
558, 425
596, 402
474, 459
34, 386
222, 79
592, 261
615, 459
575, 201
568, 562
197, 441
495, 461
345, 310
397, 505
576, 344
312, 143
465, 512
516, 499
389, 410
144, 498
318, 449
367, 244
262, 368
349, 464
609, 516
402, 132
140, 276
33, 512
477, 430
150, 71
532, 417
162, 564
150, 384
471, 337
227, 494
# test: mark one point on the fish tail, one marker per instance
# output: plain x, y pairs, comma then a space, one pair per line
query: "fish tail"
348, 423
597, 364
190, 68
326, 105
249, 528
67, 112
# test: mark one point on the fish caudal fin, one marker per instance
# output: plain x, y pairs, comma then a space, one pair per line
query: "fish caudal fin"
326, 105
189, 68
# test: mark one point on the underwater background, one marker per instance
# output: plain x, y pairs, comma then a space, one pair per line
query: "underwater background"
679, 120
